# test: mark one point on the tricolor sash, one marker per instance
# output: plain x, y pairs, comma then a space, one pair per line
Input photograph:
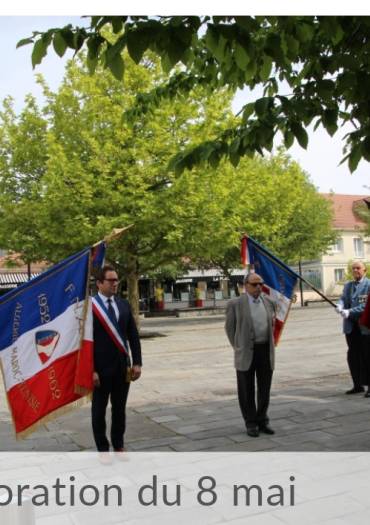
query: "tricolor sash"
112, 329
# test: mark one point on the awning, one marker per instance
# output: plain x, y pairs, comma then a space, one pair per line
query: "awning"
10, 280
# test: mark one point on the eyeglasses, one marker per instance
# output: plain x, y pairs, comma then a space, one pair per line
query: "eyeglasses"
111, 280
256, 284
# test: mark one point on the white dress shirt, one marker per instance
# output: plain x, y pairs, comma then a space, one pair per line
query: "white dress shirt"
104, 298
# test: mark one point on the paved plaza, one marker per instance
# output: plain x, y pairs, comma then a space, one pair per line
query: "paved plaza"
186, 399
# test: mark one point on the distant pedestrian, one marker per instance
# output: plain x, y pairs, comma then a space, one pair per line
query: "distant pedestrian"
351, 305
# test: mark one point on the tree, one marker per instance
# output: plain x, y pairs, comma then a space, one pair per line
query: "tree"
72, 170
273, 201
311, 69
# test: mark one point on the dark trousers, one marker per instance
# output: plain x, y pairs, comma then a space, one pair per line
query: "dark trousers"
115, 388
365, 363
354, 342
260, 369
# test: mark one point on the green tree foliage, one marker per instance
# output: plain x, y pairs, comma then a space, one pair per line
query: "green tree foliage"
273, 201
73, 170
312, 69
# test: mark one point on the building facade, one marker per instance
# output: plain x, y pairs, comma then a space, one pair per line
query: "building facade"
328, 273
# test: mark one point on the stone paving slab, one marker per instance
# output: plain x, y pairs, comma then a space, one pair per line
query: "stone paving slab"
187, 394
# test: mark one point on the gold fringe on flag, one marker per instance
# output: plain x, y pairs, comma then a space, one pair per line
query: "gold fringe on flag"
50, 417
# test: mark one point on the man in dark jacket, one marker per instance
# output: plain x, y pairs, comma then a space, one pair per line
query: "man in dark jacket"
115, 333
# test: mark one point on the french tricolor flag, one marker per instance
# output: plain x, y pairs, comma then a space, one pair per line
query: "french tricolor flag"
279, 281
46, 342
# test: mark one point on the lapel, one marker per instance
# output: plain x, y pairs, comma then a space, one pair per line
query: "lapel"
119, 306
355, 292
245, 314
245, 308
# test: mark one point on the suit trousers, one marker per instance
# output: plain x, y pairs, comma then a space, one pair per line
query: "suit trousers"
260, 369
115, 388
354, 342
365, 362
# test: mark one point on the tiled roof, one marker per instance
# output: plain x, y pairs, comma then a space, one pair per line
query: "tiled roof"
12, 262
343, 207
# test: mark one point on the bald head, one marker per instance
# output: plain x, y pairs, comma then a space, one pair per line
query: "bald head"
358, 270
253, 284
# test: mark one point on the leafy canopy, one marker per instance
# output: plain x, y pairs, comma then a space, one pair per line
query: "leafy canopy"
312, 69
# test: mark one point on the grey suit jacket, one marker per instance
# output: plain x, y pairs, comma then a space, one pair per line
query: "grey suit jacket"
240, 332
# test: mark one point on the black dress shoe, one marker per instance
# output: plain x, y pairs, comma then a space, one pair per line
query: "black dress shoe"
356, 390
266, 429
253, 432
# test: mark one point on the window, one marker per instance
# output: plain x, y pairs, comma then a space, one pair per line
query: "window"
358, 245
313, 277
339, 274
337, 247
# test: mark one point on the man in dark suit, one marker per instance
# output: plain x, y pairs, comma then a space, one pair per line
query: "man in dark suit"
350, 306
249, 328
114, 330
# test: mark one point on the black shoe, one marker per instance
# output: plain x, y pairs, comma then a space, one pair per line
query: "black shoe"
356, 390
253, 432
266, 429
367, 394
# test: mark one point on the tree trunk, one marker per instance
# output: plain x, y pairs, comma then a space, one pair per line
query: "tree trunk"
133, 289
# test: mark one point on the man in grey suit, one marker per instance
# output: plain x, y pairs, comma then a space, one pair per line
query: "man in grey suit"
350, 306
249, 328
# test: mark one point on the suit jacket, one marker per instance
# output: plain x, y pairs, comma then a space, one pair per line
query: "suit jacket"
354, 303
107, 357
240, 332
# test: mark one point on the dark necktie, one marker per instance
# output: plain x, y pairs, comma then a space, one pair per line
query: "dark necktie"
111, 312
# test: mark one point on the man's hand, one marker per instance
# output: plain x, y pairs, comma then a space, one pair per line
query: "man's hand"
96, 380
135, 372
345, 314
339, 308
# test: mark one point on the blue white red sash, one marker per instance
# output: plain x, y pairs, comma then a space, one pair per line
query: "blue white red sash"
101, 313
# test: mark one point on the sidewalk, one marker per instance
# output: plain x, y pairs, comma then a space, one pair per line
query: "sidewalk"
186, 399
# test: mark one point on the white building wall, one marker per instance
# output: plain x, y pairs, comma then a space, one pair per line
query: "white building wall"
334, 263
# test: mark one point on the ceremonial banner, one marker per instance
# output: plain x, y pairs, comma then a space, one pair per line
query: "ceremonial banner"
279, 281
98, 255
46, 342
365, 316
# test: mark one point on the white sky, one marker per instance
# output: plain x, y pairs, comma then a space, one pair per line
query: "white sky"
320, 160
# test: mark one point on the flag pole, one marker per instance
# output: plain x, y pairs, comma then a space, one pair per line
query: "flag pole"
115, 233
283, 265
318, 292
